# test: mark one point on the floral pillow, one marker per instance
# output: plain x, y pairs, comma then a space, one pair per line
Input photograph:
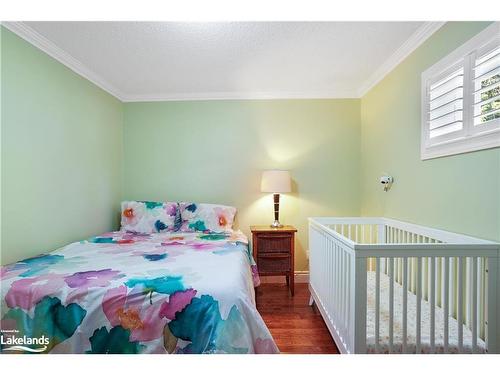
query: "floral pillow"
202, 217
149, 217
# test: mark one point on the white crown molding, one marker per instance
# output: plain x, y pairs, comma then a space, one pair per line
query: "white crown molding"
411, 44
339, 94
42, 43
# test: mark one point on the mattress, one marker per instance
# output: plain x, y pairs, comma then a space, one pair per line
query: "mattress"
411, 323
125, 292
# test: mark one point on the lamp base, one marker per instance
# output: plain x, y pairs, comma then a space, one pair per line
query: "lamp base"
276, 224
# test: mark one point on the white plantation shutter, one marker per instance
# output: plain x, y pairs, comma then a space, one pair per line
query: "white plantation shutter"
446, 98
461, 98
487, 87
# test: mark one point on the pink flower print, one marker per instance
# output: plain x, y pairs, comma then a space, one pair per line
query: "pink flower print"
113, 300
203, 246
134, 311
11, 271
255, 276
176, 303
171, 209
135, 236
224, 218
129, 213
173, 243
132, 213
90, 279
26, 293
80, 282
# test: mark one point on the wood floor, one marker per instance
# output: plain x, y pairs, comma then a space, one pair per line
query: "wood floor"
296, 327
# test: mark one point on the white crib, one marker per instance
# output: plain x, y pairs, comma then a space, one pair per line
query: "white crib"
386, 286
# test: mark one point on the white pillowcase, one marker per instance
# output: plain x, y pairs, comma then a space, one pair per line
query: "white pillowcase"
149, 217
206, 217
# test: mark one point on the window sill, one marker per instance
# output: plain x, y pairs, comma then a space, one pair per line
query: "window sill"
478, 142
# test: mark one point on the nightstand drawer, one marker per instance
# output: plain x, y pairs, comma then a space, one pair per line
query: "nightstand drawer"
272, 264
274, 243
273, 250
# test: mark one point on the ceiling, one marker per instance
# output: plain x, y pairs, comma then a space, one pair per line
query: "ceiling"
142, 61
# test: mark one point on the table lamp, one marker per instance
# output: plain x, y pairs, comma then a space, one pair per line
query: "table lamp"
276, 182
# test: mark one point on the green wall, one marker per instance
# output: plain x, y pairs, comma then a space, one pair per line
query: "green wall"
460, 193
214, 151
64, 171
61, 150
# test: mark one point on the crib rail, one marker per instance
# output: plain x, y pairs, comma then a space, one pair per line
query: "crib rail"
336, 276
454, 276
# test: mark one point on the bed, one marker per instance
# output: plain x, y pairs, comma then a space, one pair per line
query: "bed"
127, 292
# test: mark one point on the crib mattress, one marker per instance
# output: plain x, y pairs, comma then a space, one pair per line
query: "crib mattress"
411, 320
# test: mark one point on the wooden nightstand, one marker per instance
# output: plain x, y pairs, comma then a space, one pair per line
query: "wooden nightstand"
273, 250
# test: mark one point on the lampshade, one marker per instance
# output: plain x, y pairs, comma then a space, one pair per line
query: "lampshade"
275, 181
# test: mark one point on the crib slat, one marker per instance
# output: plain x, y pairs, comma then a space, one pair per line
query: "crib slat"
492, 339
377, 305
341, 287
439, 282
337, 282
446, 302
433, 303
391, 304
347, 276
419, 302
331, 247
481, 295
468, 292
460, 275
474, 305
399, 271
327, 273
345, 288
405, 302
332, 279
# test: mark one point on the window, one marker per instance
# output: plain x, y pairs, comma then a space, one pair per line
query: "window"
461, 98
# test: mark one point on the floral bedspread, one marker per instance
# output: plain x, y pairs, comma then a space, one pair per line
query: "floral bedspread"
126, 292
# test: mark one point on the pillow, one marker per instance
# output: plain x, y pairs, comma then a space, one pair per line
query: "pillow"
202, 217
149, 217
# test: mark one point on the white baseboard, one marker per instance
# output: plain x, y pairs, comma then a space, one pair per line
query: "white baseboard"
301, 277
